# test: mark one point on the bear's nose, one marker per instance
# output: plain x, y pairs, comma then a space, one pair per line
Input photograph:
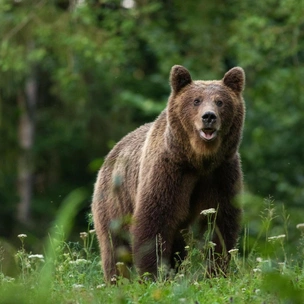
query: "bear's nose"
209, 117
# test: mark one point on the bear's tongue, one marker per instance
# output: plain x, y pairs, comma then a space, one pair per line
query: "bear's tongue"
207, 134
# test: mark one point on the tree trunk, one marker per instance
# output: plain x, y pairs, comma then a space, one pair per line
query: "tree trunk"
27, 101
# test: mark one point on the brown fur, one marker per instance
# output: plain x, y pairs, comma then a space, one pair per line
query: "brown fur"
157, 179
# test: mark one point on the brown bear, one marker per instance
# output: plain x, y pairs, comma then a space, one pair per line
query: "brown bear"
156, 181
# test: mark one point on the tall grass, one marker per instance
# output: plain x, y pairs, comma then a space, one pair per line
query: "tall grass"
260, 272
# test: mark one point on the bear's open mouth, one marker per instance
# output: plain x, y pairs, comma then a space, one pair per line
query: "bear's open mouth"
208, 134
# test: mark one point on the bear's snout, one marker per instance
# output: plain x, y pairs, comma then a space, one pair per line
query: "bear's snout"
209, 119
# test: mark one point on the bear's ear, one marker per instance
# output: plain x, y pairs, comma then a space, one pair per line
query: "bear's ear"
235, 79
179, 78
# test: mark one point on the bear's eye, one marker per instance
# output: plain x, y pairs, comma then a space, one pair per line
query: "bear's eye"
197, 102
219, 103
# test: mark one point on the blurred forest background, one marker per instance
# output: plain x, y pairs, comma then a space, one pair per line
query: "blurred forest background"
77, 75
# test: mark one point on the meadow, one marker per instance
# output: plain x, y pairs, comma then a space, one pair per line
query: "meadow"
261, 270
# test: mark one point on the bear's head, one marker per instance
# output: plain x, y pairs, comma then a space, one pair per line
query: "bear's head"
207, 114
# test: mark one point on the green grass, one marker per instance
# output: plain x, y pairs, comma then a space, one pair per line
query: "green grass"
71, 273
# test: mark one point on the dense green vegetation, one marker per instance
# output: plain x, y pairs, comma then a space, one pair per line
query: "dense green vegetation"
70, 272
75, 76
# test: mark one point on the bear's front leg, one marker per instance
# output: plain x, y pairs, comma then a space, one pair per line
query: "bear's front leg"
162, 205
226, 199
151, 249
225, 237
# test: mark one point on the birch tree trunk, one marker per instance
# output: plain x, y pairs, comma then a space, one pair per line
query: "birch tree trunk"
27, 101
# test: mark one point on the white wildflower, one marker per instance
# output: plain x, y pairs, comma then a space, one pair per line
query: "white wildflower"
60, 268
257, 270
79, 262
22, 236
78, 286
113, 279
83, 235
82, 261
36, 256
276, 238
301, 227
233, 252
208, 211
101, 286
211, 245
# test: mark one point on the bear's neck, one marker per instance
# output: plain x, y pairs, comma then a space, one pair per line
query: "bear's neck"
180, 151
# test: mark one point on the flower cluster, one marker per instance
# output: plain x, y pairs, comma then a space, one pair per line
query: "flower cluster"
22, 236
208, 211
79, 262
301, 227
83, 235
36, 257
273, 239
233, 252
